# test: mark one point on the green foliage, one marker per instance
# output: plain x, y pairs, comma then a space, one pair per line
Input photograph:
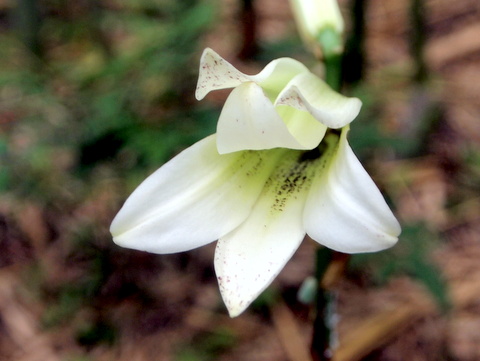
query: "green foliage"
116, 86
411, 256
109, 94
403, 135
99, 332
67, 303
470, 176
265, 301
207, 346
4, 175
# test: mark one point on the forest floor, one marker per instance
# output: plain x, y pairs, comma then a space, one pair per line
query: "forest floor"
149, 307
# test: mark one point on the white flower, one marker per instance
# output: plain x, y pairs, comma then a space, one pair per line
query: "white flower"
259, 196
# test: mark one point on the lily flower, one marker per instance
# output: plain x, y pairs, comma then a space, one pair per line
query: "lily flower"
261, 183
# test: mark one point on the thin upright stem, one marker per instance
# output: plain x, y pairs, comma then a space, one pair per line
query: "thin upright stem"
322, 335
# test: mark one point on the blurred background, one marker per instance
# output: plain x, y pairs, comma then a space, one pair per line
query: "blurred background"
97, 94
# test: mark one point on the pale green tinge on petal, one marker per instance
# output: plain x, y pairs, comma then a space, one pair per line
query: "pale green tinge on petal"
302, 126
308, 92
192, 200
249, 121
345, 210
217, 73
277, 74
251, 256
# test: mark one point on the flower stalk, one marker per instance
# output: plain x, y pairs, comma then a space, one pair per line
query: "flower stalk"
329, 263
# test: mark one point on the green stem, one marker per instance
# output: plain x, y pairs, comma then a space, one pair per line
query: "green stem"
322, 335
28, 23
354, 58
417, 39
333, 71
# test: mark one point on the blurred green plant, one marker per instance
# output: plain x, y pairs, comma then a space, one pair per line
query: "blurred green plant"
132, 103
101, 90
412, 257
95, 333
207, 345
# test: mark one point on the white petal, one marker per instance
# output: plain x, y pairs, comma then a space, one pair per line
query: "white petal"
192, 200
345, 211
302, 126
277, 74
309, 93
216, 73
249, 121
250, 257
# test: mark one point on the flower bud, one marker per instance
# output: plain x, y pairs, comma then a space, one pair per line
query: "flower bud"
320, 25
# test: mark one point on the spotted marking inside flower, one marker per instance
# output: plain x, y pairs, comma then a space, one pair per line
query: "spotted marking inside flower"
291, 98
216, 73
294, 175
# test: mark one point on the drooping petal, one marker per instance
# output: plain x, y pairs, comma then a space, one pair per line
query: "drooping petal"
251, 256
309, 93
249, 121
217, 73
345, 210
192, 200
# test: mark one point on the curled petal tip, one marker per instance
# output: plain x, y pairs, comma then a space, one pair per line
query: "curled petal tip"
309, 93
216, 73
